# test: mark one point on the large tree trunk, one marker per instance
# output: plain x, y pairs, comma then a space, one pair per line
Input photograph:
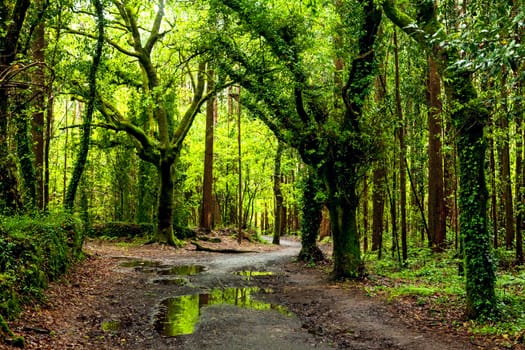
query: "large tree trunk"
342, 204
473, 196
12, 20
165, 208
347, 252
311, 219
436, 200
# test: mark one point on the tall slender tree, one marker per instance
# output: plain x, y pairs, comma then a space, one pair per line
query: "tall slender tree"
207, 186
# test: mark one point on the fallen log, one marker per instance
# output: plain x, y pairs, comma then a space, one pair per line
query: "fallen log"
199, 247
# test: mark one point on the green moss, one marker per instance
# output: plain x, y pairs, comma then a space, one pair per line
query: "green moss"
34, 251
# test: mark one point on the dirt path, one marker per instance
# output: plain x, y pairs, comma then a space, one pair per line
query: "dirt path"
113, 302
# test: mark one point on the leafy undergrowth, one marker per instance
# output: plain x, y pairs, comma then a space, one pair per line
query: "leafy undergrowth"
429, 291
33, 251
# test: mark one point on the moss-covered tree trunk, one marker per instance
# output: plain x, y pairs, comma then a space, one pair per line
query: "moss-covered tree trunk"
311, 219
9, 196
86, 126
12, 18
342, 204
470, 120
165, 208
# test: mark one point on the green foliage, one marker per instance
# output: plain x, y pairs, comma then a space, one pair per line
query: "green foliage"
33, 251
122, 229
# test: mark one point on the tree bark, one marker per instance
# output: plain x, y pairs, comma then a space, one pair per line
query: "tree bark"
278, 195
343, 208
86, 126
401, 132
378, 207
436, 199
165, 232
506, 183
38, 120
494, 192
13, 18
207, 186
311, 219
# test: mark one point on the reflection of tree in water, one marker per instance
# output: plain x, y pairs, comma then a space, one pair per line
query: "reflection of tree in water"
179, 315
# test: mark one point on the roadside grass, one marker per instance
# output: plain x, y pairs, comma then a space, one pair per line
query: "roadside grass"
431, 286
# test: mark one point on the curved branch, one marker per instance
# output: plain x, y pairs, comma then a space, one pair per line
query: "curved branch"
154, 36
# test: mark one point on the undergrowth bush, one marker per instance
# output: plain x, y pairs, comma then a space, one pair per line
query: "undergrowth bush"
435, 279
122, 229
34, 251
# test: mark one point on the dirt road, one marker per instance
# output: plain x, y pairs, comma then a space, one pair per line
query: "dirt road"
154, 297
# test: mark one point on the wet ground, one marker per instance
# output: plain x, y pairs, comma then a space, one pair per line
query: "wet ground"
155, 297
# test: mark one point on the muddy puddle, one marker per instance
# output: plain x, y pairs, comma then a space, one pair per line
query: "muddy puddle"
179, 315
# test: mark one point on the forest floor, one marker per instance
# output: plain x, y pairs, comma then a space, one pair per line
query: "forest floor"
155, 297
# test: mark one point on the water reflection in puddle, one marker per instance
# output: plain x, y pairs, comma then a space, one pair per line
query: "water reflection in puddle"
179, 315
247, 275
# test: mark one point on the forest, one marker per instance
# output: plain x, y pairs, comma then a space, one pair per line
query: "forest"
389, 131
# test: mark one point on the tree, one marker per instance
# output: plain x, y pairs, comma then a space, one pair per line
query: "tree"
301, 113
13, 16
86, 126
160, 141
436, 200
469, 117
278, 194
207, 186
312, 205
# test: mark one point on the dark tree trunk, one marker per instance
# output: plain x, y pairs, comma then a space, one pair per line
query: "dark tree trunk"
364, 202
401, 131
520, 190
165, 232
86, 126
278, 195
311, 219
207, 186
342, 204
12, 20
506, 198
38, 120
473, 195
494, 192
436, 199
378, 206
25, 157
